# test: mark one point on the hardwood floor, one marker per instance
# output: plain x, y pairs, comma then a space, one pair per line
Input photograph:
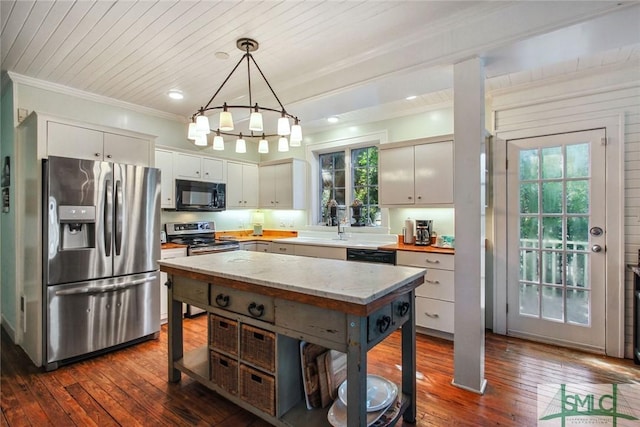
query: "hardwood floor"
129, 387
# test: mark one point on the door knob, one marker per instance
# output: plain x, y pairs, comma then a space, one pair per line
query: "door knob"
596, 248
596, 231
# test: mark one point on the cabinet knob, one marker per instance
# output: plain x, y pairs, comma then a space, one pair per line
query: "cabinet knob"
410, 197
432, 315
197, 172
97, 154
206, 173
419, 197
256, 310
109, 156
272, 202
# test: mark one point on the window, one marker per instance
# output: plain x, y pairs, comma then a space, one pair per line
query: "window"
359, 181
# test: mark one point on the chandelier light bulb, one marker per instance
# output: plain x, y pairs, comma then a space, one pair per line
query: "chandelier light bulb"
296, 135
255, 120
263, 146
283, 125
202, 124
192, 131
241, 145
201, 140
226, 119
283, 144
218, 143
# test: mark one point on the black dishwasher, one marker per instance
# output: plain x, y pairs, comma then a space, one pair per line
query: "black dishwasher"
371, 255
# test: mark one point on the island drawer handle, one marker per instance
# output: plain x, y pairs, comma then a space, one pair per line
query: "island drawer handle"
222, 300
433, 316
256, 310
223, 363
256, 378
432, 261
433, 282
403, 308
383, 323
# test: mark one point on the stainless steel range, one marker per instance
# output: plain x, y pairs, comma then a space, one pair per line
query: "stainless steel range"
200, 239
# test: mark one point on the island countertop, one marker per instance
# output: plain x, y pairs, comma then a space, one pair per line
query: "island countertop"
347, 281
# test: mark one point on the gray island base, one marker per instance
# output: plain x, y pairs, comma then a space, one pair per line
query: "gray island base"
260, 307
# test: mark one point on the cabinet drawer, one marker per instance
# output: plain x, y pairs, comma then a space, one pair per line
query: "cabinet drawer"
224, 372
388, 318
434, 314
247, 303
258, 347
224, 334
282, 248
438, 284
304, 318
425, 259
190, 290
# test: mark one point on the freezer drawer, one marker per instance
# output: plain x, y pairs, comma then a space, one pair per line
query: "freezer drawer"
90, 316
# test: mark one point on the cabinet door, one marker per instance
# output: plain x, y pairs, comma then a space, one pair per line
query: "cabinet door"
126, 149
267, 188
248, 246
263, 247
72, 141
187, 166
164, 162
434, 173
396, 176
250, 186
212, 170
235, 195
283, 179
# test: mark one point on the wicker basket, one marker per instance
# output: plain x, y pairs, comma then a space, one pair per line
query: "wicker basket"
224, 334
258, 347
224, 372
258, 389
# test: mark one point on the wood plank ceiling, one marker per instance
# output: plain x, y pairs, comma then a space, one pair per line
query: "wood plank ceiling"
358, 59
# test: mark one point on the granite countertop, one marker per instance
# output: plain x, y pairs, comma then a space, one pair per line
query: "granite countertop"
353, 282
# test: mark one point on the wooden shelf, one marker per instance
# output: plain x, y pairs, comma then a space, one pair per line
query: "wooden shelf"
195, 363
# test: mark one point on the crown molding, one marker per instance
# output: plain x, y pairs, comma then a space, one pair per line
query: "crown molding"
66, 90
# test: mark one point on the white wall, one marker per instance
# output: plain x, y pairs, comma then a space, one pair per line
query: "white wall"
617, 92
7, 220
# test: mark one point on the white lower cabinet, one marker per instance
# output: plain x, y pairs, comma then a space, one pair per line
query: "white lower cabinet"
255, 246
321, 252
434, 298
167, 254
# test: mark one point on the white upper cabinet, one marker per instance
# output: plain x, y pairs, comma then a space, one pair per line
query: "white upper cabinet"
189, 166
417, 175
66, 140
164, 162
283, 185
242, 185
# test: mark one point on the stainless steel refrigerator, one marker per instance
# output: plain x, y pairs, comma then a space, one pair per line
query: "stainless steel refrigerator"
102, 241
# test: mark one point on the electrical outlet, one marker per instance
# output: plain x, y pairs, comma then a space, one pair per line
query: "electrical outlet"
22, 114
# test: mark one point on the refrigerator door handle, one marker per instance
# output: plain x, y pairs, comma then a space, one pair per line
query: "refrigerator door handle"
108, 218
119, 217
107, 288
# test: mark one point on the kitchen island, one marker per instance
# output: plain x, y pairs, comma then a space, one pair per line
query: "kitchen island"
262, 305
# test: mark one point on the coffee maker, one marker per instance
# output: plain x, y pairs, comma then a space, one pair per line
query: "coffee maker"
423, 232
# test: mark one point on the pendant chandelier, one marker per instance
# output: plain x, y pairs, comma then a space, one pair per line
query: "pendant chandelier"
199, 127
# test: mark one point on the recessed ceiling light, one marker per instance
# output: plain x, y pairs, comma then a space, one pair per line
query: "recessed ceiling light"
410, 97
175, 94
333, 119
221, 55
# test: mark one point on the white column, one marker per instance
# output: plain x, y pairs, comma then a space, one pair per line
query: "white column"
469, 134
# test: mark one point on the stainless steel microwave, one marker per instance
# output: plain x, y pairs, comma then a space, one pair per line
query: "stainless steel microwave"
200, 196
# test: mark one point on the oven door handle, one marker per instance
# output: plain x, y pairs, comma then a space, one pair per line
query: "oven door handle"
106, 288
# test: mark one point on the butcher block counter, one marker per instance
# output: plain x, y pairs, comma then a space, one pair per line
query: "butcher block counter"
262, 305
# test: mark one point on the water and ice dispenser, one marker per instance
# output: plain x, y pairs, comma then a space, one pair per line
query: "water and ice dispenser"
77, 227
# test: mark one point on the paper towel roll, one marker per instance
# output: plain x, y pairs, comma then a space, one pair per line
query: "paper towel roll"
408, 231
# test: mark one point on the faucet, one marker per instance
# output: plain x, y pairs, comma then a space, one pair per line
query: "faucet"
341, 233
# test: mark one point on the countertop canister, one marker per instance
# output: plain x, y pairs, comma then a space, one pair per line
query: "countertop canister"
408, 232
